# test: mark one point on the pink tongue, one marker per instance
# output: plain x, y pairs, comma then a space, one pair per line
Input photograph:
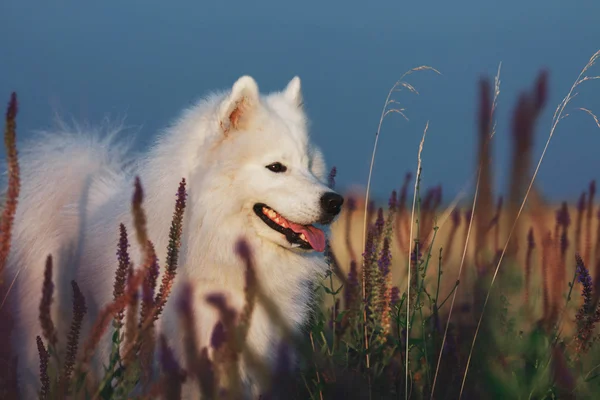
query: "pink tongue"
315, 236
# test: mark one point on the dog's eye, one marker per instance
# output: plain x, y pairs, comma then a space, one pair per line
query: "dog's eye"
277, 167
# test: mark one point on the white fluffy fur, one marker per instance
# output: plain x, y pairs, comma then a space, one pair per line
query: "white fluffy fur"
76, 190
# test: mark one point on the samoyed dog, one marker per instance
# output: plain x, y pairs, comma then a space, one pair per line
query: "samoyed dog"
251, 172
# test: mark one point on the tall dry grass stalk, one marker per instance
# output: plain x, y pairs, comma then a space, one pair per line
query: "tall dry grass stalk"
409, 281
389, 107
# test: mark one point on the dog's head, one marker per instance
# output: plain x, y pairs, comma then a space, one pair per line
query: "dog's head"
263, 157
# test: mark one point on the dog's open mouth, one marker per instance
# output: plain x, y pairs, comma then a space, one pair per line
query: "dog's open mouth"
305, 236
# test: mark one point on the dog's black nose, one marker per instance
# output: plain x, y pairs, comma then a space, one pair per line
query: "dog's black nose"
331, 203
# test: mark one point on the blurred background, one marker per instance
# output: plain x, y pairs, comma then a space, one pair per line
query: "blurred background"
146, 60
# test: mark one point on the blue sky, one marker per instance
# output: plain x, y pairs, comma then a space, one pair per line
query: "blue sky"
146, 60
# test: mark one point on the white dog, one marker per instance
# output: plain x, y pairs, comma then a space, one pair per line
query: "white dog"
251, 172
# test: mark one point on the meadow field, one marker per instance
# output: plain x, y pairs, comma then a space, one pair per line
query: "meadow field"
427, 297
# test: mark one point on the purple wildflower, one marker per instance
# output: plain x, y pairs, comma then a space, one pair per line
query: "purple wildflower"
352, 288
582, 202
435, 320
380, 222
219, 336
403, 333
227, 314
243, 249
282, 374
437, 198
404, 189
450, 346
45, 317
351, 203
586, 317
583, 277
496, 217
151, 278
500, 203
370, 206
413, 255
564, 243
429, 198
184, 303
331, 177
174, 375
44, 358
530, 239
395, 297
176, 229
456, 217
393, 203
541, 90
333, 313
283, 358
79, 311
385, 259
369, 247
122, 252
562, 216
167, 358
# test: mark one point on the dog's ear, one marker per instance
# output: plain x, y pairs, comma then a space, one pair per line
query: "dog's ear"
293, 92
236, 110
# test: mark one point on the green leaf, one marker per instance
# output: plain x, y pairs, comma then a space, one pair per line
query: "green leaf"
329, 291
